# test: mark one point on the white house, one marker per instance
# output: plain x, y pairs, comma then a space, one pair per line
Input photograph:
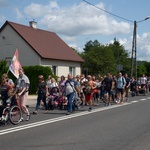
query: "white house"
38, 47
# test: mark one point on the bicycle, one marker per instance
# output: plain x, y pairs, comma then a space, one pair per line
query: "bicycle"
11, 113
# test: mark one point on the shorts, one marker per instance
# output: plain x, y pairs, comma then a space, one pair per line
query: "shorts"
109, 92
88, 96
120, 91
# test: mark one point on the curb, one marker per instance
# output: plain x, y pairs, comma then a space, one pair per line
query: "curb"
31, 101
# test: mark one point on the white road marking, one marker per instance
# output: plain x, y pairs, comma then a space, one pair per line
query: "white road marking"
40, 123
134, 101
144, 99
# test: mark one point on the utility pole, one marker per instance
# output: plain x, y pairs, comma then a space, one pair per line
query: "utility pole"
133, 57
134, 49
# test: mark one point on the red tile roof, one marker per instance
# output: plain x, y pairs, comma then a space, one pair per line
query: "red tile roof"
47, 44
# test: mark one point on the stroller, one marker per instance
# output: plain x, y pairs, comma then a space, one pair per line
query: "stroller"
140, 89
56, 100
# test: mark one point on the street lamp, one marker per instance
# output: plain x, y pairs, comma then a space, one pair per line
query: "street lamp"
134, 49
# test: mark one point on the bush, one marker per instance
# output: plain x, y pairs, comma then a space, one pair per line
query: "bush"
31, 71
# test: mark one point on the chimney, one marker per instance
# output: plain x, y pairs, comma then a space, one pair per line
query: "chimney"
33, 24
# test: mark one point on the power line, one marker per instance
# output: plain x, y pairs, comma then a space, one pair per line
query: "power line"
107, 11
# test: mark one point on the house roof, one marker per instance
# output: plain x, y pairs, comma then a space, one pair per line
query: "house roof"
47, 44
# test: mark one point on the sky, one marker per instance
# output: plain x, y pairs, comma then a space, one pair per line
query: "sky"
77, 21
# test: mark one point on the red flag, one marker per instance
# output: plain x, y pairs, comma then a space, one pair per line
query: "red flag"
15, 65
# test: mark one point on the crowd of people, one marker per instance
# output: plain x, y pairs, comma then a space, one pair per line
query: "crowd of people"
88, 90
91, 89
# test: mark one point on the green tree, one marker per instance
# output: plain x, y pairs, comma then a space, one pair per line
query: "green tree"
121, 56
91, 44
141, 69
99, 60
147, 65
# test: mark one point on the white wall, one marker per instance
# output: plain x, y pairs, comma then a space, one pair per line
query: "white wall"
62, 66
12, 42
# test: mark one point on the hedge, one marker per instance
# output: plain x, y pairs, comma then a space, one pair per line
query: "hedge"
32, 72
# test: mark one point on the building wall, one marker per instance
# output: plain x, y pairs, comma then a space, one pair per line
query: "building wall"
62, 66
28, 57
13, 41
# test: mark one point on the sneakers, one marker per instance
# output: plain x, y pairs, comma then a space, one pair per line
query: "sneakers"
81, 104
28, 117
21, 119
90, 109
106, 104
46, 112
3, 118
34, 112
68, 113
118, 102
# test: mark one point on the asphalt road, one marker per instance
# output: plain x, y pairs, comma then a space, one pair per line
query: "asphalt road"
117, 127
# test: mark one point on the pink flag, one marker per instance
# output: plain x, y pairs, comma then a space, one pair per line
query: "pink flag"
15, 65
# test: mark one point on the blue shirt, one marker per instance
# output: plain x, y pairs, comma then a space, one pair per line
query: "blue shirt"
120, 82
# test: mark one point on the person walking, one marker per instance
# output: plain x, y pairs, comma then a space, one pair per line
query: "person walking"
114, 89
90, 86
96, 93
107, 82
70, 89
22, 88
127, 86
42, 92
120, 88
61, 83
143, 83
83, 80
48, 81
133, 86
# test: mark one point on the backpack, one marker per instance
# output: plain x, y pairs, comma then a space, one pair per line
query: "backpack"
123, 80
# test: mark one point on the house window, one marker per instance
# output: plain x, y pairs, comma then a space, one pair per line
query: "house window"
72, 71
54, 69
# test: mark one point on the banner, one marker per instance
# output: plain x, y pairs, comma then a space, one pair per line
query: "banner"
15, 65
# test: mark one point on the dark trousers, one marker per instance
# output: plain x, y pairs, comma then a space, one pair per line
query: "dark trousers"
39, 98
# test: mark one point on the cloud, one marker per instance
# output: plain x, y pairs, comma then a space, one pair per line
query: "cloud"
85, 20
68, 38
18, 13
37, 10
143, 46
78, 19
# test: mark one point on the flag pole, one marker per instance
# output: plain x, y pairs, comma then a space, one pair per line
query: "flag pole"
7, 71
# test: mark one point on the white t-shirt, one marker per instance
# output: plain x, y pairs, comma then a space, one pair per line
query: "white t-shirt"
143, 80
